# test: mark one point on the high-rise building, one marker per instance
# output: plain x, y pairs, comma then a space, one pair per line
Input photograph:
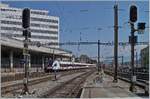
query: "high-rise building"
44, 28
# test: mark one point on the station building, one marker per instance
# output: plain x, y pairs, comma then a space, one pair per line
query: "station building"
12, 55
44, 29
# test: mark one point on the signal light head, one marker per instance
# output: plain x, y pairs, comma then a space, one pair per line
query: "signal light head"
133, 13
26, 18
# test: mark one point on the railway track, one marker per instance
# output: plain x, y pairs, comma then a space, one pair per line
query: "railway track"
140, 82
127, 78
19, 85
68, 89
19, 76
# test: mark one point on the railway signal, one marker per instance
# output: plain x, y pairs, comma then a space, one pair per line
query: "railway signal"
26, 18
141, 27
26, 22
26, 34
133, 41
133, 13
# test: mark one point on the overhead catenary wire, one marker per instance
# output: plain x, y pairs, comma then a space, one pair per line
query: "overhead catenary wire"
88, 43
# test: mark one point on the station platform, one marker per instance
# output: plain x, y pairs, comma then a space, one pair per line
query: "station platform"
95, 87
18, 72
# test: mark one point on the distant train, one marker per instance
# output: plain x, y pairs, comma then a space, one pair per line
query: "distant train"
61, 65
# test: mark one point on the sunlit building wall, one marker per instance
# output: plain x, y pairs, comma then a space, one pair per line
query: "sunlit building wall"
44, 28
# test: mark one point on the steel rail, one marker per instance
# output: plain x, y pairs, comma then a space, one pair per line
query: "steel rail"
68, 89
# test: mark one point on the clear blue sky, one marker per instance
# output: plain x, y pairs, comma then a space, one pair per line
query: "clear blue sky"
80, 20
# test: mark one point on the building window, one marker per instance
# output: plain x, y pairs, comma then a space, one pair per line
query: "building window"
11, 22
11, 28
32, 30
32, 24
44, 20
4, 9
44, 31
55, 27
38, 12
38, 37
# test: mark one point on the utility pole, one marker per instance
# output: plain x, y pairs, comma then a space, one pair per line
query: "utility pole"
53, 62
99, 64
136, 59
53, 55
122, 60
115, 42
26, 34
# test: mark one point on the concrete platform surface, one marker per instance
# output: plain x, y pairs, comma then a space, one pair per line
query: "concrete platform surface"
95, 87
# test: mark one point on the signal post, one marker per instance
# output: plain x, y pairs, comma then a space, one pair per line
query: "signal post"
133, 41
26, 34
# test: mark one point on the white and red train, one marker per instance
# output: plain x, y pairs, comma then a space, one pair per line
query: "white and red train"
61, 65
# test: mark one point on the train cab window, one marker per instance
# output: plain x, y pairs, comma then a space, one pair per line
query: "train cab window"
55, 65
